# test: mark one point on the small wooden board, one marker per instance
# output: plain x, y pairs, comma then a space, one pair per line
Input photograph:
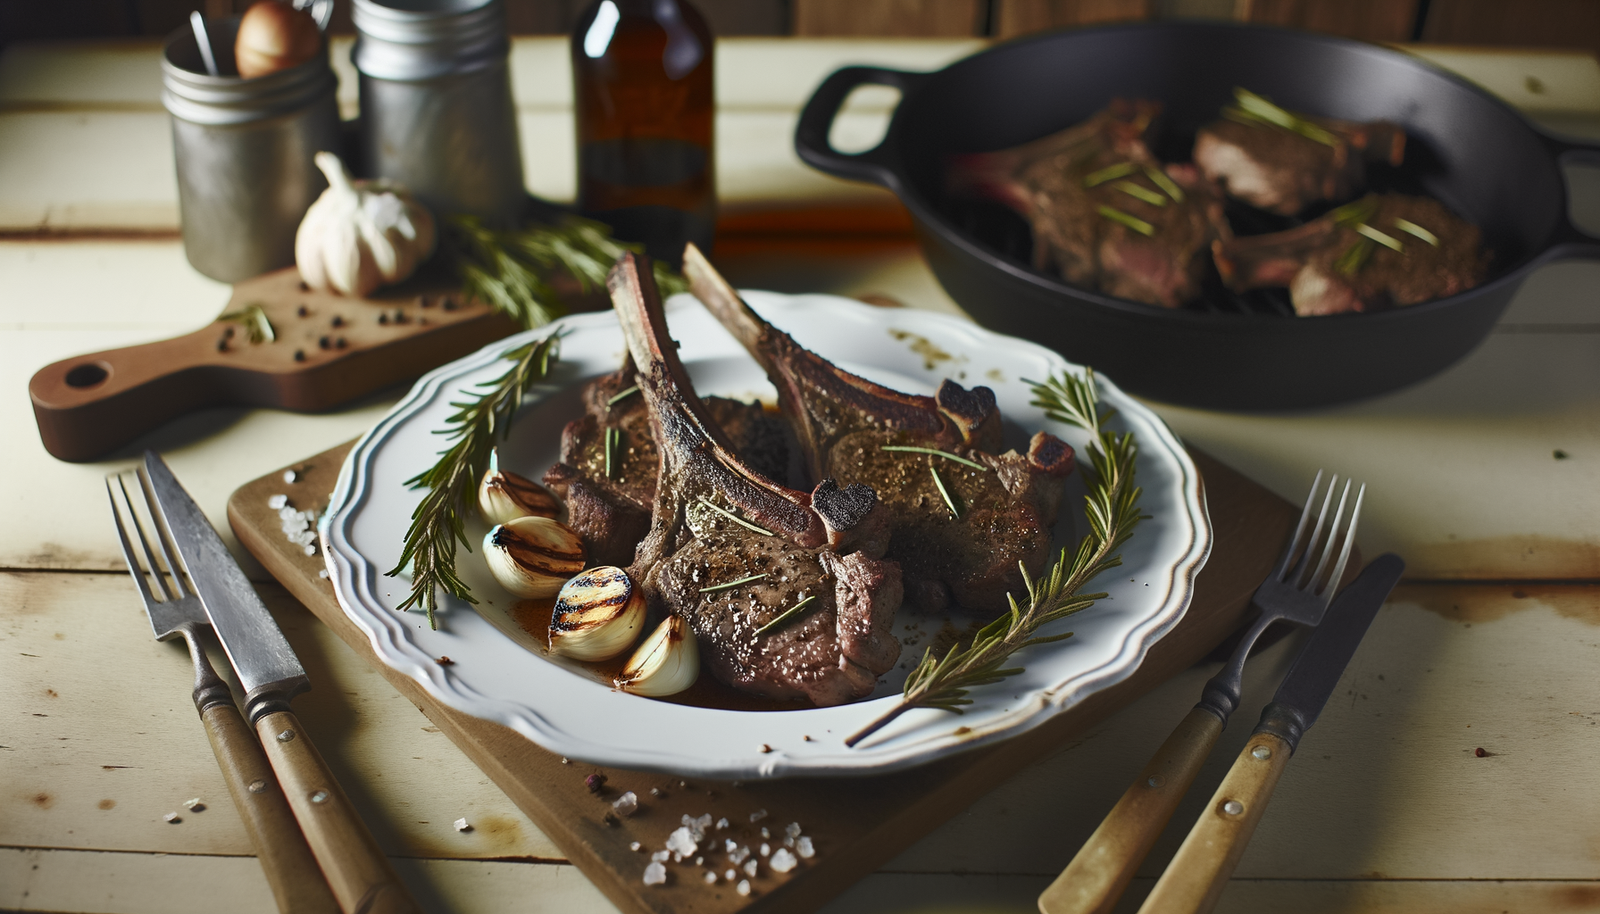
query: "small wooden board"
858, 823
329, 349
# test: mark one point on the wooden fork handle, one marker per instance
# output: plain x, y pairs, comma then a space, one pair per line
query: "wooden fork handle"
1098, 875
1195, 878
358, 872
292, 871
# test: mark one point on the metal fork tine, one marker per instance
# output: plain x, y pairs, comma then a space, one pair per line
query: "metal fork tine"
168, 590
174, 571
127, 546
1344, 553
1299, 530
1316, 533
1333, 536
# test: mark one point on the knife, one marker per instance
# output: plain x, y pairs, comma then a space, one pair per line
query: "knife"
1195, 878
359, 874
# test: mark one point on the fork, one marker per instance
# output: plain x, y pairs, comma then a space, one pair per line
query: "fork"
176, 611
1292, 592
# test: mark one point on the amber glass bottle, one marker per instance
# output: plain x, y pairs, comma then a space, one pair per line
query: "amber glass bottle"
645, 113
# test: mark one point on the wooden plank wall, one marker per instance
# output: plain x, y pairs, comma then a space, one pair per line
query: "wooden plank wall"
1526, 23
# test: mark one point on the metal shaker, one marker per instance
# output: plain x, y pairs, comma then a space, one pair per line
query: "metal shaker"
243, 149
436, 109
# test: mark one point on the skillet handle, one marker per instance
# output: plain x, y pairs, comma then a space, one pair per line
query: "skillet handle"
1571, 242
817, 117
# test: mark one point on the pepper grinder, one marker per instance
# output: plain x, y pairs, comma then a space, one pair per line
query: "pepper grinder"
642, 78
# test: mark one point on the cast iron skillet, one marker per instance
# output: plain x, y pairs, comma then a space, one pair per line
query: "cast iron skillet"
1471, 151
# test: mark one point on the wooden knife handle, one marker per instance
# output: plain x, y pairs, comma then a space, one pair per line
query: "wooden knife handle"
1195, 878
291, 870
359, 873
1098, 875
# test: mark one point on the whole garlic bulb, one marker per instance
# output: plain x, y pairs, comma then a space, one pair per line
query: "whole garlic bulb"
360, 235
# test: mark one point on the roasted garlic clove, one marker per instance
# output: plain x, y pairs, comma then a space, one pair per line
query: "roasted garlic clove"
533, 556
667, 662
598, 615
506, 496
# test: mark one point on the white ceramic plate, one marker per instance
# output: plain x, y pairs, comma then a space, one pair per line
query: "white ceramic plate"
501, 674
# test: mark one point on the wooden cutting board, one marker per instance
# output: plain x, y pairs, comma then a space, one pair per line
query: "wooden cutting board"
857, 824
328, 349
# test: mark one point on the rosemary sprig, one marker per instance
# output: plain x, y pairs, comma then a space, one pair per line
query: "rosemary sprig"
1406, 225
1139, 192
437, 523
1112, 506
510, 270
621, 395
613, 441
716, 587
737, 519
1161, 180
938, 482
1387, 240
1109, 173
787, 616
1131, 221
253, 318
1354, 257
1255, 107
935, 452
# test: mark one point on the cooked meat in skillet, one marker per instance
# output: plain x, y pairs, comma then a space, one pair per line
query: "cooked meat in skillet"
1282, 162
1379, 252
1104, 213
611, 511
815, 621
849, 427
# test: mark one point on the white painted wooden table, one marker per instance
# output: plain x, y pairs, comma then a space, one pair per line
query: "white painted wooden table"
1493, 642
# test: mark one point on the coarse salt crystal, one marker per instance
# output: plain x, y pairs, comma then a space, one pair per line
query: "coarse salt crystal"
172, 818
635, 846
682, 841
194, 805
736, 855
277, 501
288, 513
750, 867
730, 845
699, 861
655, 874
309, 549
722, 824
788, 842
711, 878
323, 573
627, 804
743, 888
659, 856
765, 849
766, 835
792, 829
703, 823
677, 858
783, 861
463, 825
290, 476
730, 875
804, 848
758, 815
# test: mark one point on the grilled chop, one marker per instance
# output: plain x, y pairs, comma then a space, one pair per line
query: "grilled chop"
1344, 260
1287, 164
1104, 213
812, 619
1005, 503
611, 511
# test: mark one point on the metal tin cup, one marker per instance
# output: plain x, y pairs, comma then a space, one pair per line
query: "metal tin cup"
243, 149
436, 109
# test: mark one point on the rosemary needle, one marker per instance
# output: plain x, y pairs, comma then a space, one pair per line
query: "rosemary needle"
787, 616
948, 501
1109, 173
613, 440
1406, 225
737, 519
1131, 221
1139, 192
1161, 180
622, 395
937, 453
1388, 241
716, 587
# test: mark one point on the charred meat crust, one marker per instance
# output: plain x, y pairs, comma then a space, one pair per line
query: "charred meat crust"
715, 521
1003, 509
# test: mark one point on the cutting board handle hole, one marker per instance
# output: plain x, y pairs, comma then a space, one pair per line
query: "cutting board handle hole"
88, 374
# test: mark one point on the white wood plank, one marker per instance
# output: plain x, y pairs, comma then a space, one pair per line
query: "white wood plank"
1533, 80
1465, 483
101, 737
128, 883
